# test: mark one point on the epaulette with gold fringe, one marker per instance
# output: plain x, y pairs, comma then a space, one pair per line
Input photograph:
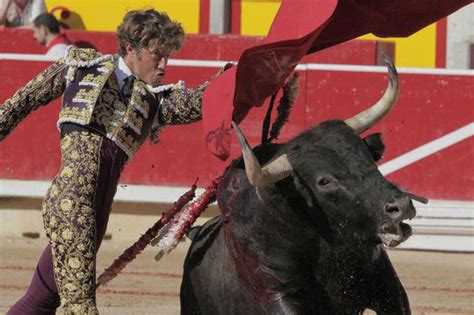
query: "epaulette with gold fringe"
84, 57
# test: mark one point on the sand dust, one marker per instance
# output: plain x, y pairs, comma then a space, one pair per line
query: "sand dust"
437, 283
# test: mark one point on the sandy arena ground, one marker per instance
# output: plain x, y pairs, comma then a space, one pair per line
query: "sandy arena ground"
437, 283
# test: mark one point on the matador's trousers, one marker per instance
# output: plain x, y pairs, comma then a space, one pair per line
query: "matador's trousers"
75, 211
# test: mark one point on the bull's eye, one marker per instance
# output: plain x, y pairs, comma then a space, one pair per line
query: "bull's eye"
322, 182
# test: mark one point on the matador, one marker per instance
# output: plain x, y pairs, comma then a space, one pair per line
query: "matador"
111, 104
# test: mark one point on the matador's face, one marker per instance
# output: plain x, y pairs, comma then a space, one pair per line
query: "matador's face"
148, 64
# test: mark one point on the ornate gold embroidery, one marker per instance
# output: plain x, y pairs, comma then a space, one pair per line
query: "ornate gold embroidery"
96, 82
45, 87
70, 74
133, 116
141, 105
134, 121
88, 96
92, 80
121, 123
182, 106
126, 142
84, 57
69, 220
75, 114
81, 309
109, 109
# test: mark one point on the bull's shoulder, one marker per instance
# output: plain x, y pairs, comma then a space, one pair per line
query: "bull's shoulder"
85, 57
209, 228
203, 239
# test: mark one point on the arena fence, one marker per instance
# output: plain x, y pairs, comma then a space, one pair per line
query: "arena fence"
429, 138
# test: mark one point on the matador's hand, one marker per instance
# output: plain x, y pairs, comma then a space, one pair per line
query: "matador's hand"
226, 67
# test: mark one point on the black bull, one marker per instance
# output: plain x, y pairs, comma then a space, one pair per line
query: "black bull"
310, 243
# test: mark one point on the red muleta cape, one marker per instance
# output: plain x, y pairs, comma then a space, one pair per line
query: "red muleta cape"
302, 27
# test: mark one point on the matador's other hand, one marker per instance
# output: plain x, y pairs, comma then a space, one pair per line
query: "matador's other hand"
226, 67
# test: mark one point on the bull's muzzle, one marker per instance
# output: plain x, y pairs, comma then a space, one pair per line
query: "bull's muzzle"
395, 231
394, 235
400, 209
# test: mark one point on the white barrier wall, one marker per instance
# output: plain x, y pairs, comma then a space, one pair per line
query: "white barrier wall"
460, 36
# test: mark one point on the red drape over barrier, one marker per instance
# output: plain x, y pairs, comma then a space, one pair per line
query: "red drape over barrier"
299, 28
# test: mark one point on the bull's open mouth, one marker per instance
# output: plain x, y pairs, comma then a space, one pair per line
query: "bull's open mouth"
393, 235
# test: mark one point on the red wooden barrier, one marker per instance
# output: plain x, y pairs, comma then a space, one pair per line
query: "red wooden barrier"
202, 47
430, 107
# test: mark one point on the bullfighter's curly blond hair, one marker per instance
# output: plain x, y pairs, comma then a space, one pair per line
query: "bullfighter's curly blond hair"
149, 28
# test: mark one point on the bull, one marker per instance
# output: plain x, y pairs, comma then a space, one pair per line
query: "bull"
306, 233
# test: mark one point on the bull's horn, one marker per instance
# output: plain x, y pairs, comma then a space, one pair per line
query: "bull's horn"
369, 117
262, 176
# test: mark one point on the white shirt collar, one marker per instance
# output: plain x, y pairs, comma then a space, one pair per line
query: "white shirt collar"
122, 71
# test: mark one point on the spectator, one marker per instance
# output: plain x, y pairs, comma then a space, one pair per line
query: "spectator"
46, 32
20, 12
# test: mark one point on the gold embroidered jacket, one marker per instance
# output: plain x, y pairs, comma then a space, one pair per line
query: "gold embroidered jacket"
91, 98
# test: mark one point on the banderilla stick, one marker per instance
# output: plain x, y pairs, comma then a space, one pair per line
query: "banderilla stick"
130, 253
169, 240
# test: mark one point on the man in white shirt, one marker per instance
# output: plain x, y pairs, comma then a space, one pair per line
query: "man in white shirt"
46, 31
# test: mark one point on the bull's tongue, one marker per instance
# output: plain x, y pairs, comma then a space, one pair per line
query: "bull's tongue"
406, 229
393, 235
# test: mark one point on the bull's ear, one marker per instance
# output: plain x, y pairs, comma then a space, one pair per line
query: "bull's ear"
375, 144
